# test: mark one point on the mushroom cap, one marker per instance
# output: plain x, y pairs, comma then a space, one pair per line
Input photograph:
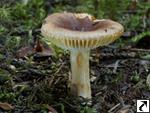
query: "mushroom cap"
79, 30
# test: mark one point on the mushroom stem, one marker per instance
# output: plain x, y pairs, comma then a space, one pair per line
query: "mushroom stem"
80, 81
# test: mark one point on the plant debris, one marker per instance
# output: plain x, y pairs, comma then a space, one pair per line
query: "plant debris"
6, 106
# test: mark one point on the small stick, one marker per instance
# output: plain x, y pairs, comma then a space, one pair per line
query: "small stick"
113, 108
136, 49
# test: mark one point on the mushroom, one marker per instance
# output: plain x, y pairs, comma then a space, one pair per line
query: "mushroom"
80, 32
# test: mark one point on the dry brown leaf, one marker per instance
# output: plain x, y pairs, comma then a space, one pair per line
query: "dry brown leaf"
6, 106
45, 52
25, 51
40, 48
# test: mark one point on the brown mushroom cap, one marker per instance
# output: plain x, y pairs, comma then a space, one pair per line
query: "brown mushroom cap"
73, 30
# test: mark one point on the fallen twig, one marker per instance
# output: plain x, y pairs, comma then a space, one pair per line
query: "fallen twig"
113, 108
136, 49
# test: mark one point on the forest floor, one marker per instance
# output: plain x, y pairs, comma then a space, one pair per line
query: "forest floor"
39, 84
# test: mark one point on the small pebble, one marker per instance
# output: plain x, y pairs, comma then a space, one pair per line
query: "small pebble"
12, 67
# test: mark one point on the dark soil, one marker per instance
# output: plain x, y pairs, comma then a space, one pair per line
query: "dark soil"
118, 78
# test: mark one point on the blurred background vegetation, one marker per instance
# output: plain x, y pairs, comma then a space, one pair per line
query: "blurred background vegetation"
26, 16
